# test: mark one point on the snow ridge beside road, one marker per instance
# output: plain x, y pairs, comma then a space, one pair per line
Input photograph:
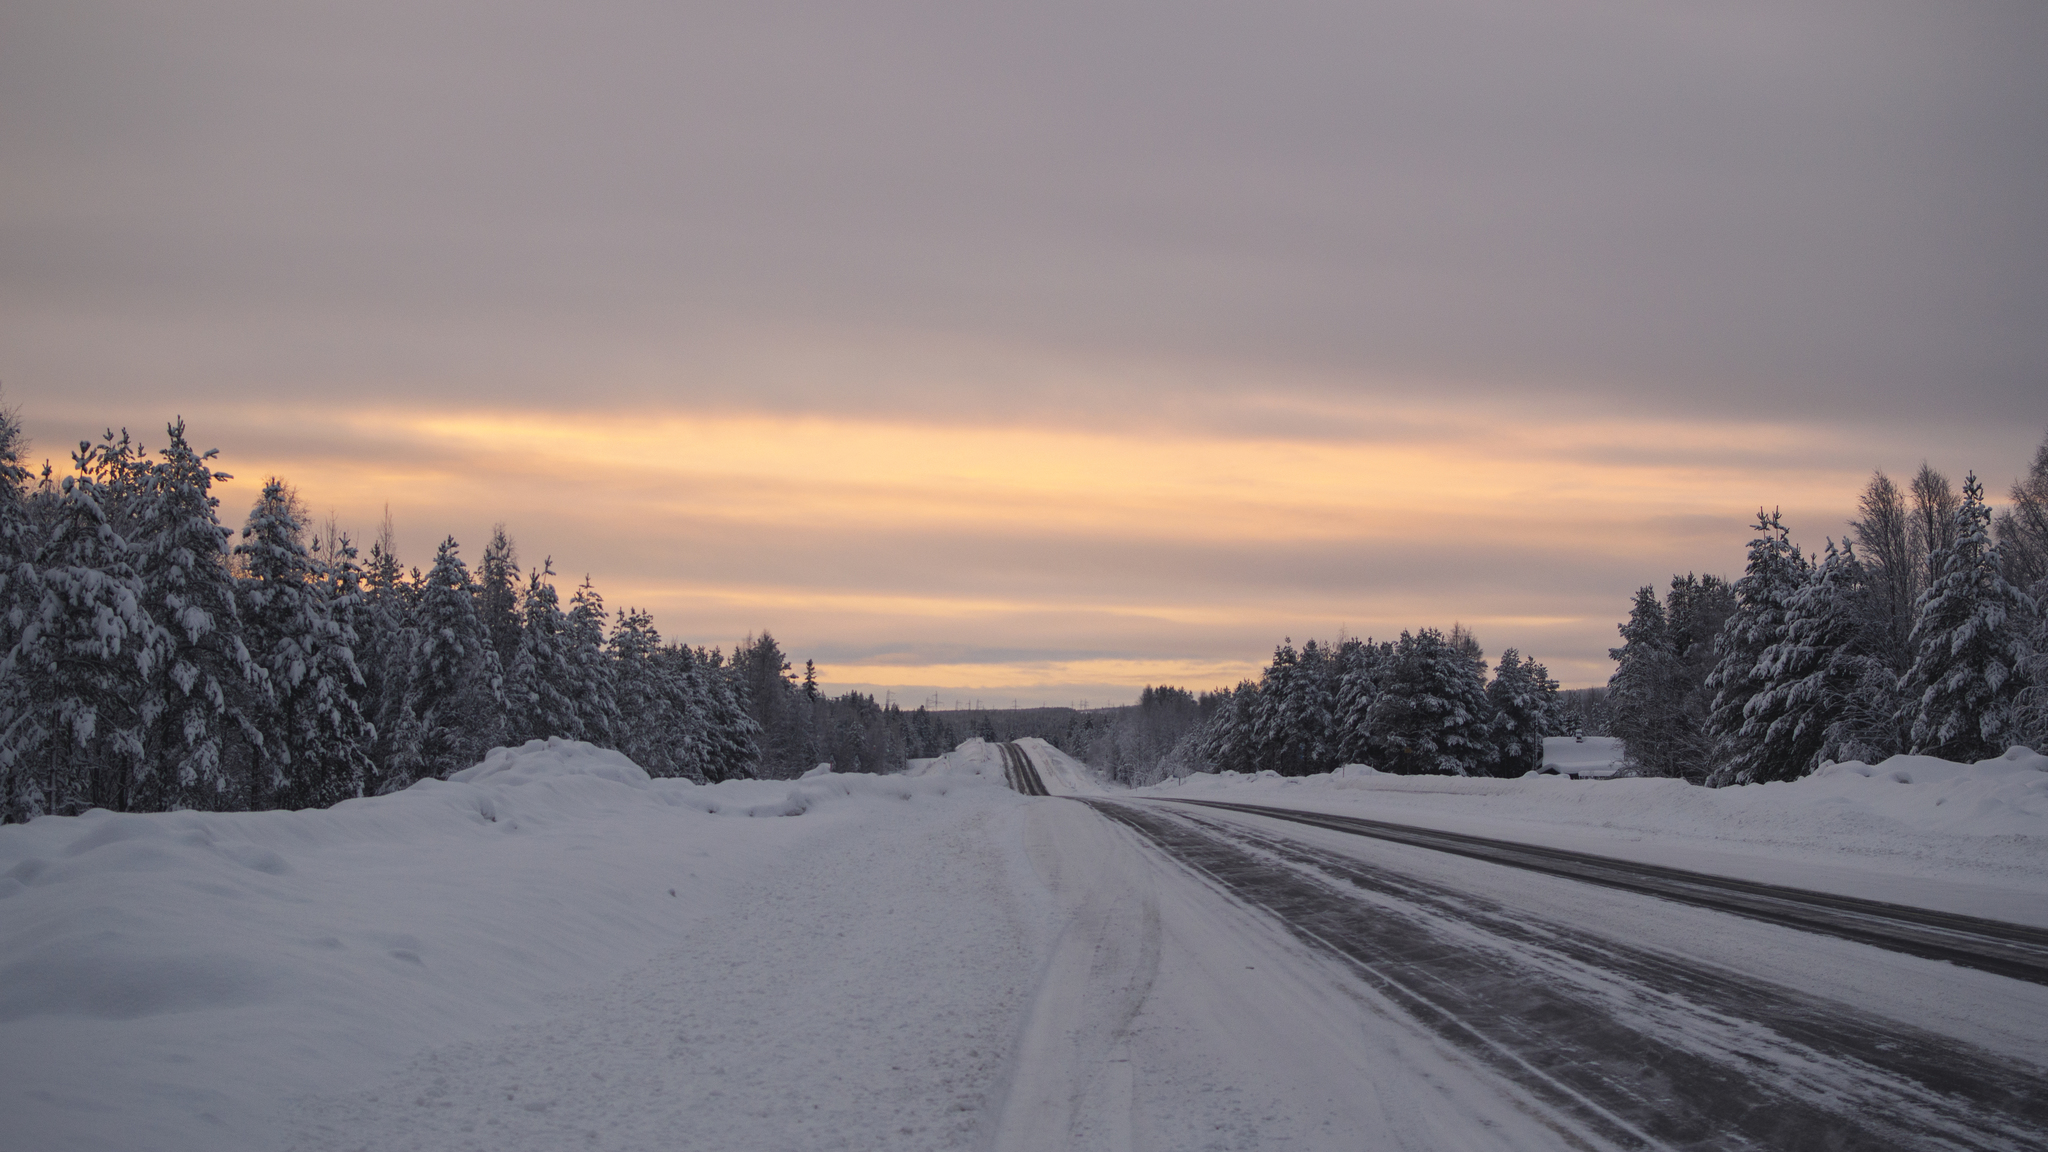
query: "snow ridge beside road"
1916, 830
166, 980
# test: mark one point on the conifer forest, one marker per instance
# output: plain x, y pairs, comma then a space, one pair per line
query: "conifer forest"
155, 658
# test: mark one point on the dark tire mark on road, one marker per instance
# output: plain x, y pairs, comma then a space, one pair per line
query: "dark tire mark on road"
1020, 772
2013, 950
1631, 1047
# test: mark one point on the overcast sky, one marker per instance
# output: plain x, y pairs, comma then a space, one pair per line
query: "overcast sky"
1042, 351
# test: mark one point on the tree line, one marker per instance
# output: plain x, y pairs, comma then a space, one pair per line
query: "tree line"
1420, 704
1922, 631
151, 658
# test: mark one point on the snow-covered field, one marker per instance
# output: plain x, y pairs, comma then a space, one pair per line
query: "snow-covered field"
1969, 838
552, 951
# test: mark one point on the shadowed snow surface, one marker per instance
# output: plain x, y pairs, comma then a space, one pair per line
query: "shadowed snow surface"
552, 950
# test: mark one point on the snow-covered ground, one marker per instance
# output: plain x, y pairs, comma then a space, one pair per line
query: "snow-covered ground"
552, 951
222, 981
1969, 838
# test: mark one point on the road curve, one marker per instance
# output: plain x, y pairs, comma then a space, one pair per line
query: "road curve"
1614, 1044
2011, 950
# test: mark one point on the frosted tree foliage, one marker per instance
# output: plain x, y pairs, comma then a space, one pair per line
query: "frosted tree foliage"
209, 691
539, 683
85, 647
146, 665
1763, 596
1523, 699
1972, 644
1835, 668
314, 736
456, 695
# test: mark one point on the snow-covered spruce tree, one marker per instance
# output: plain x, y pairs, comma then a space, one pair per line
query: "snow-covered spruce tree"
776, 704
1818, 682
84, 653
1658, 699
315, 747
386, 643
1291, 723
1525, 710
1225, 744
1432, 714
1774, 573
1645, 708
652, 721
538, 685
1360, 665
497, 595
209, 689
1971, 643
591, 670
728, 746
457, 687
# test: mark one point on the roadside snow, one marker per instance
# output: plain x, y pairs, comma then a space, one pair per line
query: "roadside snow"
1969, 838
174, 981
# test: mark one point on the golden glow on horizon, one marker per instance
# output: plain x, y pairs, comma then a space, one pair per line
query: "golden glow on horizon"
819, 470
652, 487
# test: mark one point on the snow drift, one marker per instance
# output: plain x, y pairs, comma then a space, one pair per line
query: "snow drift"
167, 979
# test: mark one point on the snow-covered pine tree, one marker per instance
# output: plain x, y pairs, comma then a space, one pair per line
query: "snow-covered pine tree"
543, 674
315, 749
84, 652
1774, 573
1819, 680
208, 690
457, 687
590, 670
1431, 715
497, 595
1525, 710
1971, 642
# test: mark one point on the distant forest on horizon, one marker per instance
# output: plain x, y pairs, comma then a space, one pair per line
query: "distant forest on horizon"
153, 658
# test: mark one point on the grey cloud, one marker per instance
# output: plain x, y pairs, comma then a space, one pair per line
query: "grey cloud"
1679, 209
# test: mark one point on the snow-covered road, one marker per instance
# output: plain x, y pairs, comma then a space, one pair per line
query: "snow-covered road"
554, 952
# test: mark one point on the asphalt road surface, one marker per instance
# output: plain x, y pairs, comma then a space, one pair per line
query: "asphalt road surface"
1618, 1038
1655, 1050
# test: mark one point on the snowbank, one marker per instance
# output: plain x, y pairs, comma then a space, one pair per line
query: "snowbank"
974, 759
978, 759
1966, 837
167, 980
1063, 775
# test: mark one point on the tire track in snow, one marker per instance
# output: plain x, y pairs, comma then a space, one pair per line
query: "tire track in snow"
1638, 1049
1021, 773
